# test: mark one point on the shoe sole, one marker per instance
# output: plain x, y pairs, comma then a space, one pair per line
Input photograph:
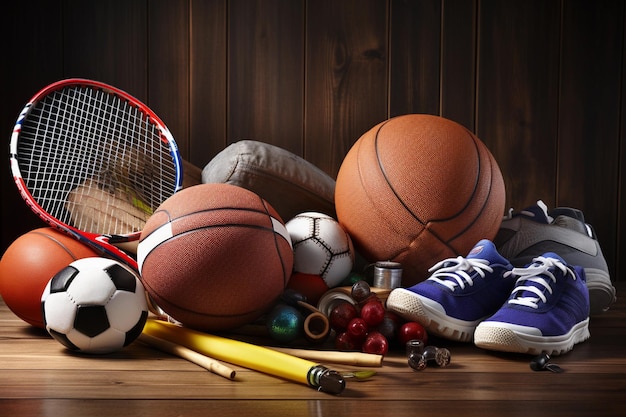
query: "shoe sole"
507, 337
601, 292
430, 314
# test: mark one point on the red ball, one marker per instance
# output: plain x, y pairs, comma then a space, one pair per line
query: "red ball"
345, 342
373, 312
417, 189
412, 330
28, 264
215, 256
357, 329
341, 315
375, 343
310, 285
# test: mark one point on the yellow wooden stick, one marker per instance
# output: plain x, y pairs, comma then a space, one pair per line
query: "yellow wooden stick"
249, 356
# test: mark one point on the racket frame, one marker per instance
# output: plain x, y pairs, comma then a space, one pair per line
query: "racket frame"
101, 243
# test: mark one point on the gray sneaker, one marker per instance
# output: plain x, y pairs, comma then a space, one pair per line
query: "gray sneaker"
533, 231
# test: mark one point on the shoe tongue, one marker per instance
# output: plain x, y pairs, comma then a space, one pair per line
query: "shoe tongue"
537, 212
485, 249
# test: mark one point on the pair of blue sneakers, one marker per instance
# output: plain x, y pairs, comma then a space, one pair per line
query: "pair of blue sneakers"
541, 307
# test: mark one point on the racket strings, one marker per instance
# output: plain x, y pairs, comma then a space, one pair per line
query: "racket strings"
95, 161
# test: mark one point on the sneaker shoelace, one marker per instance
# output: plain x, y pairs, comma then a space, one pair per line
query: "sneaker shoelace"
457, 272
539, 273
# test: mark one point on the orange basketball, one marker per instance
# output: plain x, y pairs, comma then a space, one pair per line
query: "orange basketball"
28, 264
215, 256
417, 189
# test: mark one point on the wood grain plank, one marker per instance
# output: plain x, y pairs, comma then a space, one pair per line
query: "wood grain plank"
208, 80
518, 88
38, 375
265, 72
299, 408
111, 48
436, 386
458, 61
415, 54
346, 76
168, 67
589, 115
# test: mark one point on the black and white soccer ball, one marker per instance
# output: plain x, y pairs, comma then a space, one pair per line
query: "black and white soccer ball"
321, 246
94, 305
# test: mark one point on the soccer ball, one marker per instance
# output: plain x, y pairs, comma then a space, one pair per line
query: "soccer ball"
94, 305
321, 246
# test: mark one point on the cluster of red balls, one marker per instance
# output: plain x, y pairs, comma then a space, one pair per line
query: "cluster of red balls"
367, 326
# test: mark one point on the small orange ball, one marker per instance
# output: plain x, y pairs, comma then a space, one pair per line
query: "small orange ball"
312, 286
28, 264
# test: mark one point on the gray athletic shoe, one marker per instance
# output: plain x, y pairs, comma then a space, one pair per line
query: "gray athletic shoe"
533, 231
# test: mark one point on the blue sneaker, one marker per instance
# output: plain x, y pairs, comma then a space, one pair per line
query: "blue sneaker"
460, 293
547, 311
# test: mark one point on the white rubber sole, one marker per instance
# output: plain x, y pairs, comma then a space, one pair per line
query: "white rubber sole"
431, 315
507, 337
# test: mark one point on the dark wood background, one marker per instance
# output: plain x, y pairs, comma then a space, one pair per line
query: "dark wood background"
541, 82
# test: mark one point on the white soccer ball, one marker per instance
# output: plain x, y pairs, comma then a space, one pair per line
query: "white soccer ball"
94, 305
321, 246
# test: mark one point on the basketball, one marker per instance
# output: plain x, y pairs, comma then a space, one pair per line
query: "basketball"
417, 189
215, 256
29, 263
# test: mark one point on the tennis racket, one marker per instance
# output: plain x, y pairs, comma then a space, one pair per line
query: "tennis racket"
94, 162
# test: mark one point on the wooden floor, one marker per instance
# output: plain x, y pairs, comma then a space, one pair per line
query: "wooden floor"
38, 377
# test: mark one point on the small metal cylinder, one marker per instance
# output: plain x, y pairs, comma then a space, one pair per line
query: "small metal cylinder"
387, 274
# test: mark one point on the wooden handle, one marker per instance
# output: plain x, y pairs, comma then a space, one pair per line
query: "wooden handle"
331, 356
192, 356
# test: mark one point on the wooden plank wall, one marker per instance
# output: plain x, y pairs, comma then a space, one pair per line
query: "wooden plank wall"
541, 82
